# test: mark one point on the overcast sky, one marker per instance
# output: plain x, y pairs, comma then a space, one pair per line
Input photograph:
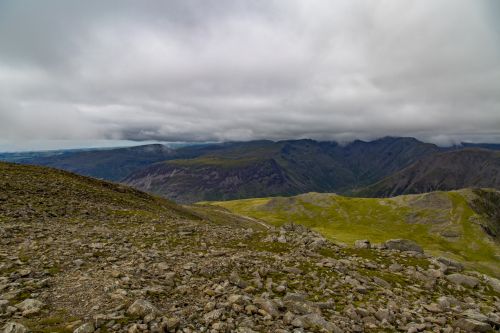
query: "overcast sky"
239, 70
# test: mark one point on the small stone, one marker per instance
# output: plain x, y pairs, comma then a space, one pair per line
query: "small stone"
78, 262
280, 289
446, 302
282, 239
3, 306
235, 279
245, 330
433, 307
85, 328
24, 272
493, 283
235, 299
212, 316
172, 323
362, 244
473, 314
395, 267
116, 273
209, 306
288, 318
316, 321
301, 307
381, 282
383, 314
163, 266
267, 305
169, 279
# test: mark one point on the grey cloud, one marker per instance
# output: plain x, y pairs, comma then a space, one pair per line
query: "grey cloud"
240, 70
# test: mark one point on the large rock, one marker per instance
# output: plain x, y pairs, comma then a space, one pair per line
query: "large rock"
141, 308
463, 280
449, 265
213, 316
493, 283
403, 245
30, 306
315, 321
267, 305
235, 279
472, 325
301, 307
476, 315
3, 306
14, 327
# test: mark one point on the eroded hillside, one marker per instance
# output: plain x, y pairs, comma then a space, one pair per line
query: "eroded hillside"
80, 255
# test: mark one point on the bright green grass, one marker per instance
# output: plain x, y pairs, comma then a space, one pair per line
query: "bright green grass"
421, 218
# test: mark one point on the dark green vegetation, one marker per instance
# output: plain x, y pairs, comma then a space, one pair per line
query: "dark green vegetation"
441, 172
462, 224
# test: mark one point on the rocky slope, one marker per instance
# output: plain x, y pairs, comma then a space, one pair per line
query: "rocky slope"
81, 255
463, 225
442, 172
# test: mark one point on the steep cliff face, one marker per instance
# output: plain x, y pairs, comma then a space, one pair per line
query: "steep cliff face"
443, 171
265, 168
188, 181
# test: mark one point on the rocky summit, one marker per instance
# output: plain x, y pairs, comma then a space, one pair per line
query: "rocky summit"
82, 255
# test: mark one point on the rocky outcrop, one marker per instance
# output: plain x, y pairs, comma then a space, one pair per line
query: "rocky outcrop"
403, 245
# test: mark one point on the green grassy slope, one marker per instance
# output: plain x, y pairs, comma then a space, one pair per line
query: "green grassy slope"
32, 193
442, 222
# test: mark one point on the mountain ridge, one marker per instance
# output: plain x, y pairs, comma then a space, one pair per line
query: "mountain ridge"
469, 167
235, 170
298, 166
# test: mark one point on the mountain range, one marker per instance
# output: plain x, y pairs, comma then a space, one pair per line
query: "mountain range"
469, 167
384, 167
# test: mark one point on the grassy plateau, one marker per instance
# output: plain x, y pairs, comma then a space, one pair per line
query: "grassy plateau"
443, 223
